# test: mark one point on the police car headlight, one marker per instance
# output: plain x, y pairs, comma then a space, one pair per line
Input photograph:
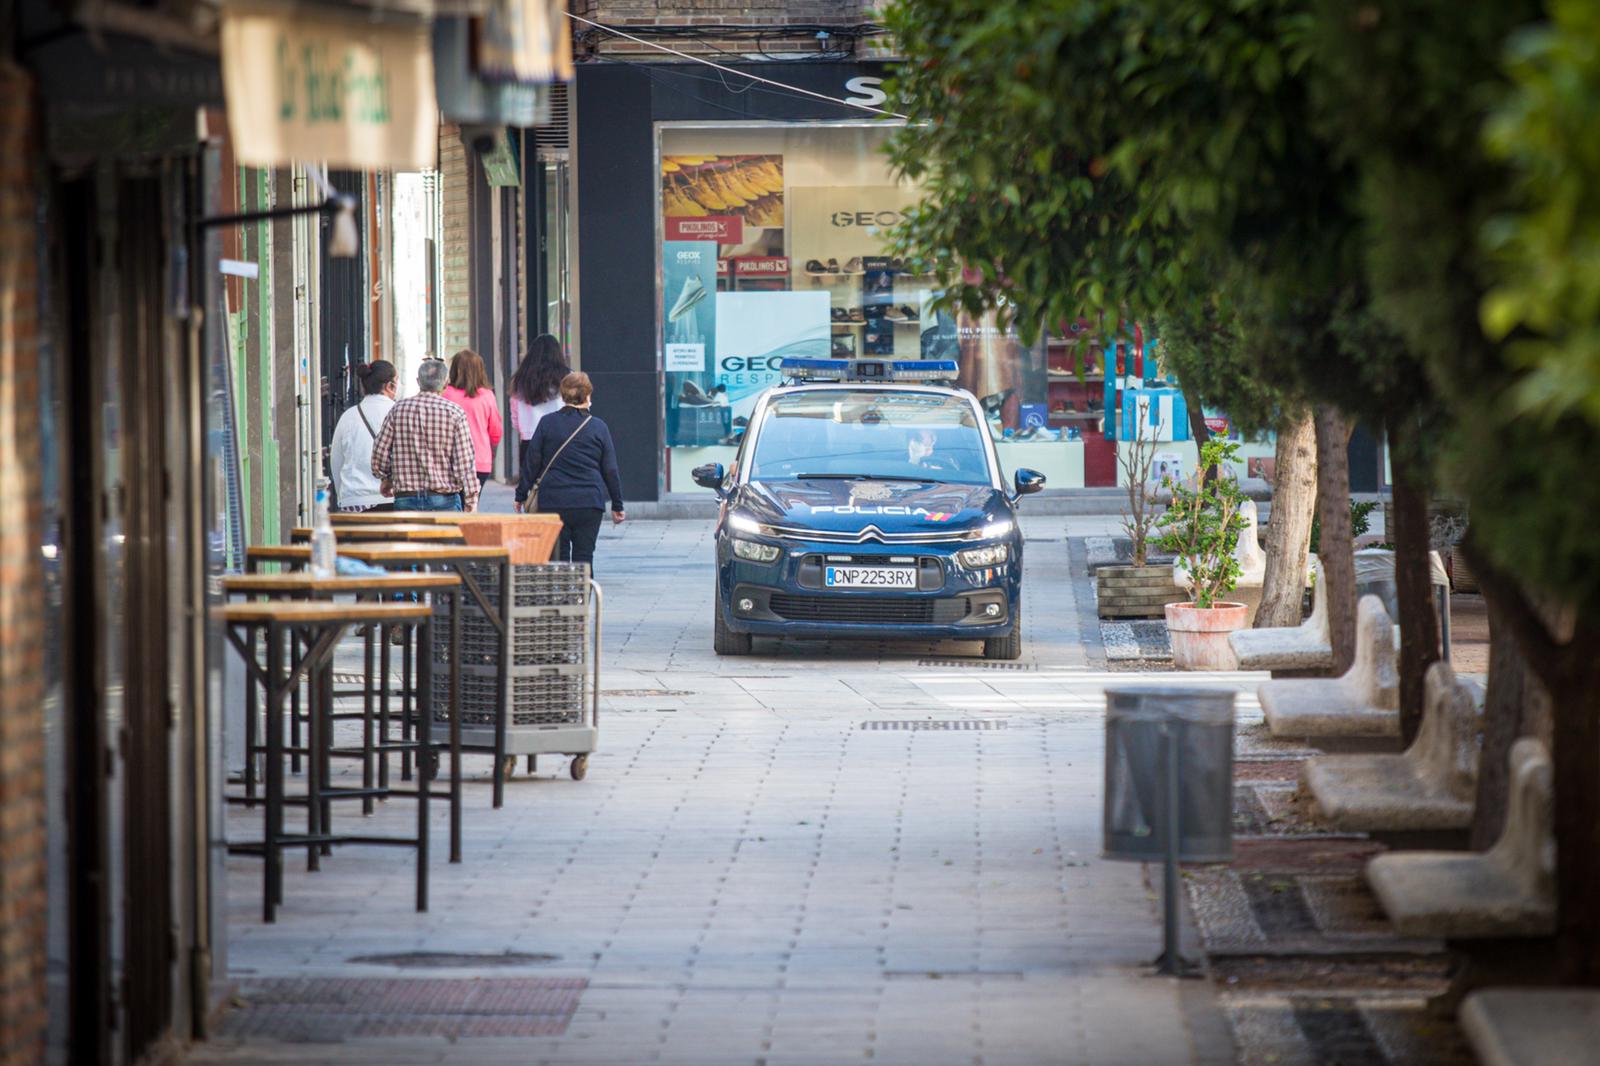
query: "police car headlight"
979, 558
996, 530
756, 553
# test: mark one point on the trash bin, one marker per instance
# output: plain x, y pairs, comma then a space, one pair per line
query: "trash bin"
1201, 726
1375, 577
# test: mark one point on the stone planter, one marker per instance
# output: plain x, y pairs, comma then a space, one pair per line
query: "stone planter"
1200, 634
1135, 591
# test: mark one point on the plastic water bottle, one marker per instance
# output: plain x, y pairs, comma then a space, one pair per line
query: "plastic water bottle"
324, 554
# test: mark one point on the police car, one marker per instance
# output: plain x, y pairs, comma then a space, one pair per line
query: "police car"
866, 500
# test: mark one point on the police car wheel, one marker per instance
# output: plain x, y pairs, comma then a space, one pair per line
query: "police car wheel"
1006, 647
725, 641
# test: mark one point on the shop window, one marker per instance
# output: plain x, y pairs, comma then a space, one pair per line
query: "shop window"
773, 244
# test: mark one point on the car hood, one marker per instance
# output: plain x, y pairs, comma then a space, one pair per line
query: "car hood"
840, 506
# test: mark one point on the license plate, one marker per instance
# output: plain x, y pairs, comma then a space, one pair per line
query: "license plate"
870, 577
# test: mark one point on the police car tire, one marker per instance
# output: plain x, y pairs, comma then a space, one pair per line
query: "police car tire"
725, 641
1006, 647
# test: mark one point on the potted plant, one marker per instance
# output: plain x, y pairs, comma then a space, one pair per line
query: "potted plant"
1201, 529
1137, 590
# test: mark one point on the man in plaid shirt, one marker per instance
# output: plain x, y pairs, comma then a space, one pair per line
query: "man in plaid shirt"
424, 450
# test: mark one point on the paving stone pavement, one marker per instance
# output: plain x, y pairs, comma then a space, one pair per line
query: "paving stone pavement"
747, 875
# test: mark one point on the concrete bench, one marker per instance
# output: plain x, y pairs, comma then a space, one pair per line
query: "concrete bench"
1252, 565
1533, 1026
1507, 891
1304, 648
1430, 788
1364, 702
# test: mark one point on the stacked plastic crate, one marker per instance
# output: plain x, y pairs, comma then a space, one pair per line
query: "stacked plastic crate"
548, 614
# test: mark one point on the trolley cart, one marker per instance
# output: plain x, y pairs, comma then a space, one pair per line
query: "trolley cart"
552, 674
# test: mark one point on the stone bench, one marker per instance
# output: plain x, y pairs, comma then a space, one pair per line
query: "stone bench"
1252, 565
1364, 702
1533, 1026
1507, 891
1305, 648
1426, 794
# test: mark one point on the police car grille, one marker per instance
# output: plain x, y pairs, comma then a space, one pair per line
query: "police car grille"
892, 610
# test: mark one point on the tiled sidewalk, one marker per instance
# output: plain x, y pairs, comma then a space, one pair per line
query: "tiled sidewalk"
748, 875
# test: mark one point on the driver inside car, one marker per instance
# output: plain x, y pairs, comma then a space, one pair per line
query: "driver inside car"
920, 449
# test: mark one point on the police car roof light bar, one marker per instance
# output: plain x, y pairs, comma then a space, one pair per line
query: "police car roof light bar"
930, 371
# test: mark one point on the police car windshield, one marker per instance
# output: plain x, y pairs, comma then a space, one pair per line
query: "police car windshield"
894, 435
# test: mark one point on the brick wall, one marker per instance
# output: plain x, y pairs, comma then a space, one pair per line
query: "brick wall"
765, 14
22, 755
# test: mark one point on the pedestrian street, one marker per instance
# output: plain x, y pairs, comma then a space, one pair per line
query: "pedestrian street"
816, 854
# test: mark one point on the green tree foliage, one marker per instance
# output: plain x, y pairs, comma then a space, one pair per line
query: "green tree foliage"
1138, 161
1545, 299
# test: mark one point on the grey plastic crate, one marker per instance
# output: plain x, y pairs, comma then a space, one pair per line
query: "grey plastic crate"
544, 636
533, 585
539, 695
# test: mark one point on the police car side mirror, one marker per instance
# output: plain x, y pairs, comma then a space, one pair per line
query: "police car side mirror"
1027, 482
709, 476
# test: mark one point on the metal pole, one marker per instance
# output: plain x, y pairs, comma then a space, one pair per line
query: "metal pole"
1171, 963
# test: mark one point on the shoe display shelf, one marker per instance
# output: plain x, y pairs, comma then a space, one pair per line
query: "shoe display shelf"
552, 675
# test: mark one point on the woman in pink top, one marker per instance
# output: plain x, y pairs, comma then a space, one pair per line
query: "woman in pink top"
469, 389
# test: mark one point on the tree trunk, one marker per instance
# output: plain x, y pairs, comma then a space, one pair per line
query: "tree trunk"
1576, 702
1419, 620
1503, 723
1337, 545
1294, 499
1570, 671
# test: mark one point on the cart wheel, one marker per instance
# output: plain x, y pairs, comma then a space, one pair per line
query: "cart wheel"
580, 766
508, 767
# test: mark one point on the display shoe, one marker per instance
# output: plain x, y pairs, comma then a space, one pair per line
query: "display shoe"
853, 266
910, 313
838, 314
694, 291
855, 315
895, 314
897, 265
833, 266
691, 395
841, 350
996, 400
1096, 403
815, 268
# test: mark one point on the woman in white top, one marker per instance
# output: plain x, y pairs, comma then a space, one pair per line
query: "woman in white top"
350, 458
536, 386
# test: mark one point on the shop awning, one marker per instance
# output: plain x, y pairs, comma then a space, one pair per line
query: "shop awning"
360, 85
320, 84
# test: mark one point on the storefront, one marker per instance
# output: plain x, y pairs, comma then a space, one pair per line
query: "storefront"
725, 225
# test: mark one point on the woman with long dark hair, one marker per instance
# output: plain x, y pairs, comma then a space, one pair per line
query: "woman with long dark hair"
469, 390
536, 386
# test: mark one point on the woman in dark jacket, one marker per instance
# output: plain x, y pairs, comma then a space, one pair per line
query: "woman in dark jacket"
571, 465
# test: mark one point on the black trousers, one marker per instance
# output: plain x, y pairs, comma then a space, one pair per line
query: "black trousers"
580, 526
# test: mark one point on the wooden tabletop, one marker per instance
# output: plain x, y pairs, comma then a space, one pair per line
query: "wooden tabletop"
278, 552
424, 553
303, 612
391, 531
304, 582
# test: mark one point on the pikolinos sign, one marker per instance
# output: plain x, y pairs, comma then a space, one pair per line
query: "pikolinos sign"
314, 88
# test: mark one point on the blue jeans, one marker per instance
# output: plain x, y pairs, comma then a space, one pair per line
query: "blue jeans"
429, 501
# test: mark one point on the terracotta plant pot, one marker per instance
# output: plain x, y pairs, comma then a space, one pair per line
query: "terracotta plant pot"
1200, 634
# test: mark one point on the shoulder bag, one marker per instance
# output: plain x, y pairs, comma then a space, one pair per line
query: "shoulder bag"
532, 503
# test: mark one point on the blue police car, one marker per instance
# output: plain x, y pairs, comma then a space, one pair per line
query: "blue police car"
866, 500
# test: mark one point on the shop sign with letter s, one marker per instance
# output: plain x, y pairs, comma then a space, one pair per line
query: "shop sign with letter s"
869, 92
